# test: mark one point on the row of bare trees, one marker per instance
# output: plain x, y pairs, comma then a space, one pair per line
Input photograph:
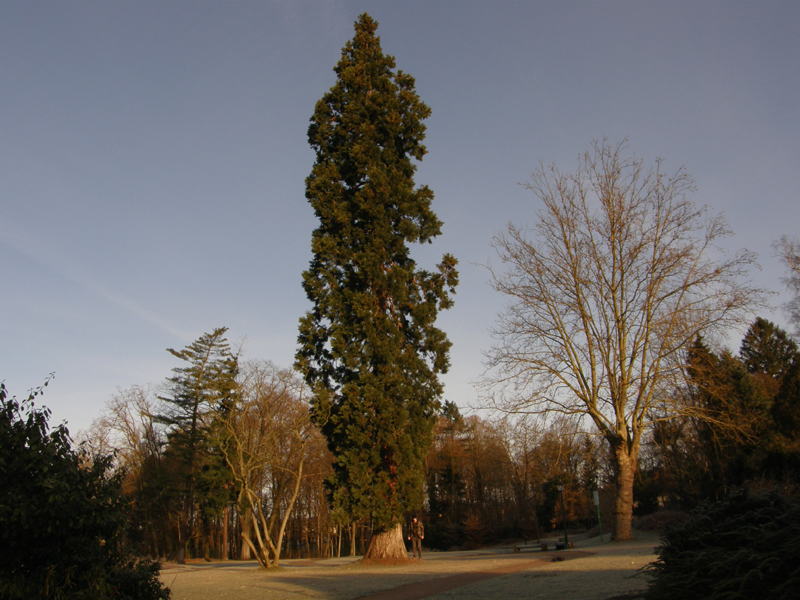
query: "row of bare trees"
223, 461
258, 486
259, 490
489, 480
253, 473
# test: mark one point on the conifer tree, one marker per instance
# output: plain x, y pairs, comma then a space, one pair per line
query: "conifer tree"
767, 349
197, 392
369, 348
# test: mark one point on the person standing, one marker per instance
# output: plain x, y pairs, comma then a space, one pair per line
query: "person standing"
416, 535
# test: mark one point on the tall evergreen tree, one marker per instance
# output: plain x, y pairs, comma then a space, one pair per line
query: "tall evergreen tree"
773, 359
368, 347
766, 348
197, 391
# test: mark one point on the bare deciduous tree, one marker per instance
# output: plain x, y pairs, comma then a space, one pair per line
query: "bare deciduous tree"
128, 426
264, 437
622, 273
789, 252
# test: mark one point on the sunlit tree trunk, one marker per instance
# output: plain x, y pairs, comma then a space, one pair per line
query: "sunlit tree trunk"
387, 544
623, 504
247, 519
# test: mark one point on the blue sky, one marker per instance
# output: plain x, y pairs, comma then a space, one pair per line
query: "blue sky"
153, 157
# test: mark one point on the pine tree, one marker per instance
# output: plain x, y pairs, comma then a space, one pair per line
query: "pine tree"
768, 349
197, 392
368, 347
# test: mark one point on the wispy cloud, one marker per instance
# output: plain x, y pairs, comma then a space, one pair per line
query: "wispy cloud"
23, 241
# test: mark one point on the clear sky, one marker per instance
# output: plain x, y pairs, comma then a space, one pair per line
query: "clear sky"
153, 157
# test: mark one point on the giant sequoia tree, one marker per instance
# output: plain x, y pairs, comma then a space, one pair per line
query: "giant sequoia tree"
368, 347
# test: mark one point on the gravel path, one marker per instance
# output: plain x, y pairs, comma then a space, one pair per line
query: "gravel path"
591, 571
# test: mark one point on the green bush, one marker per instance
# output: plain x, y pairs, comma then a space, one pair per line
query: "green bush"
744, 547
62, 517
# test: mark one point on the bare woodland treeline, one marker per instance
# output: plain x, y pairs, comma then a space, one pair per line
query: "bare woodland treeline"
225, 463
609, 382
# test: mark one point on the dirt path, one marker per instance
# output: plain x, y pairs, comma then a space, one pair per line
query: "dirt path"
592, 571
426, 589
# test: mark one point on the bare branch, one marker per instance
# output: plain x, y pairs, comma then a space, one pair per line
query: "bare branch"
264, 439
619, 274
788, 250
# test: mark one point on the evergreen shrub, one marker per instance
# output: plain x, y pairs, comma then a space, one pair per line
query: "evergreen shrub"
62, 517
746, 546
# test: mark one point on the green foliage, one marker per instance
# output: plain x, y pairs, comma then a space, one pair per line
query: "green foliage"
369, 348
62, 516
743, 421
199, 391
786, 404
734, 416
767, 349
741, 548
773, 359
137, 579
451, 413
207, 383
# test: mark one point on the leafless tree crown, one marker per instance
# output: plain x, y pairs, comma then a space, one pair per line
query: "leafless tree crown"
620, 272
789, 252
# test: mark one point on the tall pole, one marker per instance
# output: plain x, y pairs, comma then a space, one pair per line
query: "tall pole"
225, 519
564, 515
596, 496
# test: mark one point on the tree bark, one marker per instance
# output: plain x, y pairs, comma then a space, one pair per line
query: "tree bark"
352, 539
387, 544
246, 520
225, 533
623, 505
183, 539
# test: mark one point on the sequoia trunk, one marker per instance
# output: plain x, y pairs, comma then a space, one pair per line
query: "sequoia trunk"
387, 544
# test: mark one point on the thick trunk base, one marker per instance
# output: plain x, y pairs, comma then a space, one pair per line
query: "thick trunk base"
387, 544
623, 506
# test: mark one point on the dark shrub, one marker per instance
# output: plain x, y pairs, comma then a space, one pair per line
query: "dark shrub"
744, 547
661, 520
62, 517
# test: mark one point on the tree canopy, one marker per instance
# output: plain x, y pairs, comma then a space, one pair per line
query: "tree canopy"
368, 347
620, 276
